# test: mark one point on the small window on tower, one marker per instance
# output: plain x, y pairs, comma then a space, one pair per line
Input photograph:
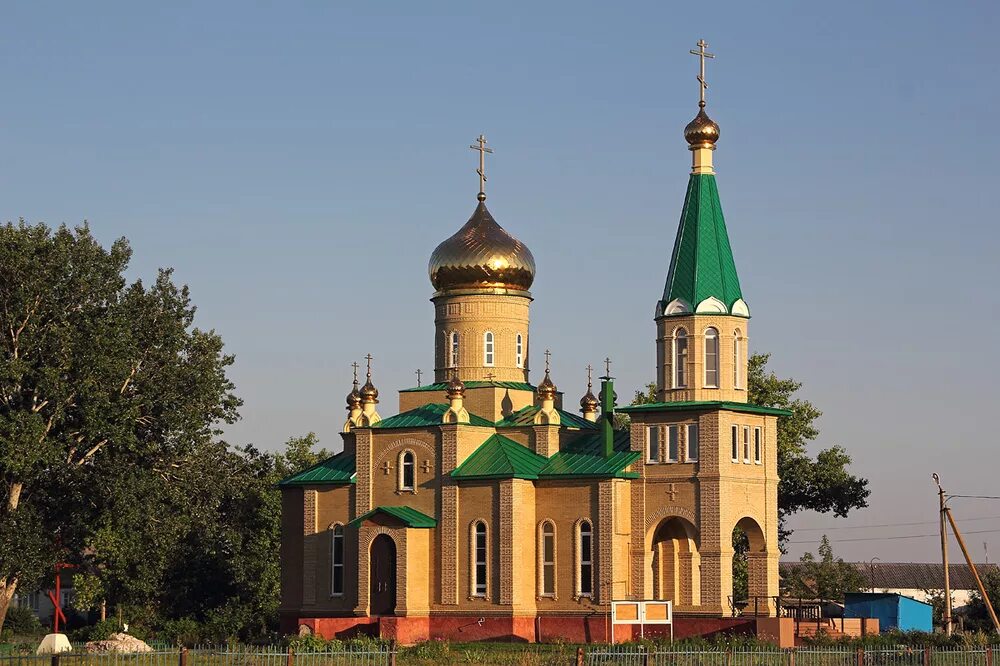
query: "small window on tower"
653, 444
488, 348
711, 357
692, 443
520, 351
406, 472
737, 363
453, 352
673, 443
746, 444
757, 445
736, 443
680, 358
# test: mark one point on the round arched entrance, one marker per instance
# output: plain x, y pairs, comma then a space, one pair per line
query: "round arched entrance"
675, 562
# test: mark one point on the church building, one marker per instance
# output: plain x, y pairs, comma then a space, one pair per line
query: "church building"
489, 508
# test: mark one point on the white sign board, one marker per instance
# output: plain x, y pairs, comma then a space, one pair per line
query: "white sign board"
642, 613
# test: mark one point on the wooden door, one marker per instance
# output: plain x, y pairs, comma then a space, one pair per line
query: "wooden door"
382, 579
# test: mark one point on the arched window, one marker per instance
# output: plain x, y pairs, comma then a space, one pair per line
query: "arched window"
337, 560
585, 559
737, 362
488, 348
406, 470
711, 357
680, 358
479, 553
547, 559
519, 351
453, 350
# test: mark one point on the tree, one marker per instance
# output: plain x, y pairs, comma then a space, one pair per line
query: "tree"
976, 613
299, 455
827, 577
97, 376
823, 484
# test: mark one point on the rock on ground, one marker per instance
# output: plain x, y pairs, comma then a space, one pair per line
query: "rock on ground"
119, 643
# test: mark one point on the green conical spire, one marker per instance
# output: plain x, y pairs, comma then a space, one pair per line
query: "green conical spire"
702, 265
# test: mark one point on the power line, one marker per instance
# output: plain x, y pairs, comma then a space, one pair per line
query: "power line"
989, 497
864, 527
893, 538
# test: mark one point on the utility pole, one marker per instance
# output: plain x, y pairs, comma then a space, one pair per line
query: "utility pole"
975, 574
944, 557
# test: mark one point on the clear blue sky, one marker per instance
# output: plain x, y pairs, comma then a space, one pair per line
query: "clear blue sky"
296, 163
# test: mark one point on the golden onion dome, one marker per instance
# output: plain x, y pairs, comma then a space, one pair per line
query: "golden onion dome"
702, 131
354, 397
546, 390
482, 255
589, 402
455, 387
368, 391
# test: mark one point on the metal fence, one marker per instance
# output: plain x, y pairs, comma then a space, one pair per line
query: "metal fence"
366, 655
639, 655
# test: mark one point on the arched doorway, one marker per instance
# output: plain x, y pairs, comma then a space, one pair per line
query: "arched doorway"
750, 568
675, 562
382, 576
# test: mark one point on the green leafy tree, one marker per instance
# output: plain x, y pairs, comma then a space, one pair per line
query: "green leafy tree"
98, 377
976, 613
299, 455
824, 577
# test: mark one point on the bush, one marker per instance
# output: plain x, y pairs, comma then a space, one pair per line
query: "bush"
185, 632
22, 622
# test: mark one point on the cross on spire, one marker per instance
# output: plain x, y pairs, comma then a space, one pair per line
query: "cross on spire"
481, 147
702, 54
355, 366
369, 358
548, 355
607, 368
590, 382
418, 373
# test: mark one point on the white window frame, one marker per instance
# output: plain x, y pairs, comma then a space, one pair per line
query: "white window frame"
758, 446
737, 365
479, 588
453, 340
736, 443
711, 338
746, 445
691, 427
653, 450
402, 464
584, 565
336, 534
519, 350
489, 348
678, 369
673, 432
543, 563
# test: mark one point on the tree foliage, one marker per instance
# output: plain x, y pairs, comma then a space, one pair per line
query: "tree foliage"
825, 577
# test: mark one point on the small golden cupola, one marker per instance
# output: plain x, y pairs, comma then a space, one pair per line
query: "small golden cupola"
455, 392
481, 276
369, 398
353, 403
589, 402
547, 413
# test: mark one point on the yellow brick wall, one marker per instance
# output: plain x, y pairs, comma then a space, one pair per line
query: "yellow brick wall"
695, 326
471, 315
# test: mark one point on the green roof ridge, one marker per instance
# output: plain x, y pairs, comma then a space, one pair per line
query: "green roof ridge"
410, 516
584, 457
702, 264
500, 457
687, 405
526, 416
424, 416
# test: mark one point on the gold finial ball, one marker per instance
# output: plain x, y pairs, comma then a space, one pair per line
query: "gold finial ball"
702, 132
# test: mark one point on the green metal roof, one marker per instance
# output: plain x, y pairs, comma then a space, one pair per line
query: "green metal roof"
702, 264
338, 469
584, 457
410, 516
703, 405
526, 417
501, 458
440, 386
430, 414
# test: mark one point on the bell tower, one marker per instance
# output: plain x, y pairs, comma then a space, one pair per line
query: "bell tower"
701, 320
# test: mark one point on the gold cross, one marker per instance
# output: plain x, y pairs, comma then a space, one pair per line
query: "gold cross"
607, 367
702, 54
548, 355
482, 164
671, 492
427, 466
386, 467
490, 376
590, 382
419, 372
355, 366
369, 357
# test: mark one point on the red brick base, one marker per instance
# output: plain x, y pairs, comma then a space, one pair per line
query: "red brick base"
530, 629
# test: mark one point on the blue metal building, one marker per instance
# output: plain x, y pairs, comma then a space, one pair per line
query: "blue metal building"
894, 611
